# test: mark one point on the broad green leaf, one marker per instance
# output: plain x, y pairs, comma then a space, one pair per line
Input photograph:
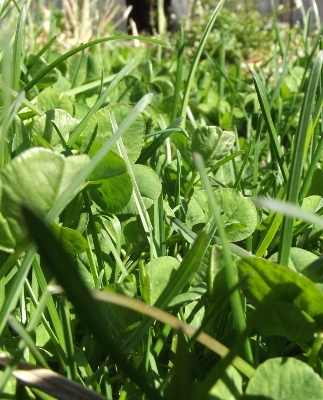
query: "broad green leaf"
149, 185
228, 387
211, 142
155, 276
316, 183
19, 136
164, 86
43, 126
299, 259
72, 241
116, 187
239, 213
133, 138
272, 282
281, 318
36, 178
283, 379
84, 67
52, 98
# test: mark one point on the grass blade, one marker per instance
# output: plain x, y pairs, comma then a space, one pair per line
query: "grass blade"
270, 125
18, 48
145, 220
296, 169
197, 57
290, 209
64, 57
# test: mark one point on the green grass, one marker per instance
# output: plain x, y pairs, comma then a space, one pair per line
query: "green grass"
160, 212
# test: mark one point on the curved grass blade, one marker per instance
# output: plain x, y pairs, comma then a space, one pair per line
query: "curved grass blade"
69, 277
64, 57
296, 169
181, 277
197, 57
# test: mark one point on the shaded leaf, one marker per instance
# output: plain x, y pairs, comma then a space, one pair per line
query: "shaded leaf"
116, 187
273, 282
72, 241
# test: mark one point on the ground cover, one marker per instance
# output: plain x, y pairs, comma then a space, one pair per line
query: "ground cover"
160, 215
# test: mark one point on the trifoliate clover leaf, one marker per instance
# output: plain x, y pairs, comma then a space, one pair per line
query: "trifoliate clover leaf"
211, 142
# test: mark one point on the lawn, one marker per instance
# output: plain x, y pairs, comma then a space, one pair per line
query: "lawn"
160, 208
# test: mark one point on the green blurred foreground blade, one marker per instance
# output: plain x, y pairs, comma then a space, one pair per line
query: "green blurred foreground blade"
67, 274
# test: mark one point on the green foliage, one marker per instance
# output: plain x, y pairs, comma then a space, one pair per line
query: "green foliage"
147, 280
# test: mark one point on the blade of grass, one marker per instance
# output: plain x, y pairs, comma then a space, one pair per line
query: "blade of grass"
25, 336
230, 272
68, 339
34, 59
190, 236
144, 216
18, 48
66, 272
12, 296
298, 156
196, 59
290, 209
179, 73
270, 125
64, 57
98, 104
25, 102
